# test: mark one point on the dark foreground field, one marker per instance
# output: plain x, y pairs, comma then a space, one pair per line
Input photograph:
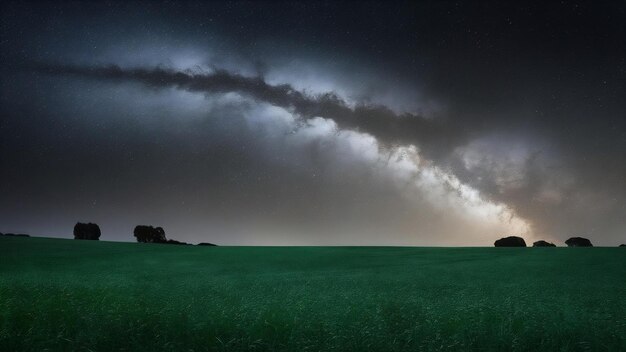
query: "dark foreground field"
97, 296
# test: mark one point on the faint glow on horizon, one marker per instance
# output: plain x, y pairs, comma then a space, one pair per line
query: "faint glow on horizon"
446, 191
404, 167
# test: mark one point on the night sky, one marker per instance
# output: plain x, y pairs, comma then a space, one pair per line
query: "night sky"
315, 123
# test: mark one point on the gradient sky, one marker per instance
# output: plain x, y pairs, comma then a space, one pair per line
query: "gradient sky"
315, 123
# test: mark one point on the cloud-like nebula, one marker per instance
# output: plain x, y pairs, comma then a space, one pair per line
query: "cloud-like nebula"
432, 135
269, 134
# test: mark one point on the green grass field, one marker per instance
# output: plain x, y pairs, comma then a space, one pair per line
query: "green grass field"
100, 296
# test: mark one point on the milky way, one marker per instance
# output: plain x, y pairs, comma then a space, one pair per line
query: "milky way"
409, 124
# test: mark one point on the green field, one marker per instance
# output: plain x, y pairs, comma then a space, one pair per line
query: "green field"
100, 296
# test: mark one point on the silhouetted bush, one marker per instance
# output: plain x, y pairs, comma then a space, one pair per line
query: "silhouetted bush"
175, 242
543, 243
206, 244
511, 241
16, 234
149, 234
86, 231
578, 242
622, 245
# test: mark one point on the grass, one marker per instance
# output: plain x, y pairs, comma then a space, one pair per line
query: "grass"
65, 295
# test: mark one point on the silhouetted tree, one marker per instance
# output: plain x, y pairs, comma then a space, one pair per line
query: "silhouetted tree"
88, 231
160, 235
543, 243
511, 241
578, 242
206, 244
149, 234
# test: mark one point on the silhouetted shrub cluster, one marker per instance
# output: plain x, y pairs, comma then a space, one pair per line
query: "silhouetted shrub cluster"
578, 242
149, 234
543, 243
143, 234
511, 241
514, 241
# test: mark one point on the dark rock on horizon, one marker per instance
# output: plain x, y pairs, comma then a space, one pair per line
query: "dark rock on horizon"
207, 244
542, 243
149, 234
511, 241
578, 242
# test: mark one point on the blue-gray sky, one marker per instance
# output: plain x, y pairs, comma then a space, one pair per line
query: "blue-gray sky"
315, 123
